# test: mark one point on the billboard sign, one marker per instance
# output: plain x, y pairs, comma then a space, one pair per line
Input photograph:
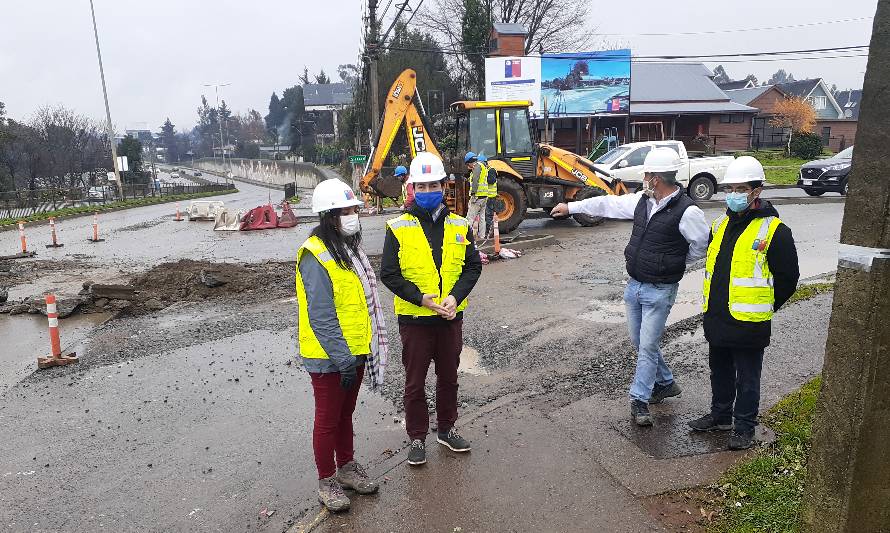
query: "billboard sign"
571, 84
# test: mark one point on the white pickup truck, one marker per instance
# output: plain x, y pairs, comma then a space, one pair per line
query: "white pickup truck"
699, 175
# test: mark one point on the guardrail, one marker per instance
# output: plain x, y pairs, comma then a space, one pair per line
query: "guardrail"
23, 203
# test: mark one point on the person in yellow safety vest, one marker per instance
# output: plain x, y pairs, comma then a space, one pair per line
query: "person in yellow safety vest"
480, 192
751, 270
431, 265
341, 332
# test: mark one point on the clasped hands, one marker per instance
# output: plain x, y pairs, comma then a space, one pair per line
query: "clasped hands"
447, 309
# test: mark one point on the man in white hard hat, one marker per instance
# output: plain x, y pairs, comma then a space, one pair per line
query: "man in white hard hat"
669, 231
431, 265
750, 271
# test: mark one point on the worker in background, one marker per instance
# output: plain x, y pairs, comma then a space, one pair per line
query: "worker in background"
431, 265
480, 191
407, 190
492, 203
750, 272
669, 231
341, 332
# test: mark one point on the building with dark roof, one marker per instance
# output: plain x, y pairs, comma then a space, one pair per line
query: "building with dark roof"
324, 102
849, 102
817, 94
733, 85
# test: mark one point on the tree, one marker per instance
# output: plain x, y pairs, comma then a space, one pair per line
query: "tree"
131, 148
169, 141
68, 146
796, 114
275, 117
720, 75
207, 129
322, 78
752, 78
475, 30
304, 77
834, 90
349, 74
780, 76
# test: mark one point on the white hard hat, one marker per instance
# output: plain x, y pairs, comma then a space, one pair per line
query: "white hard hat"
331, 194
661, 159
742, 170
426, 168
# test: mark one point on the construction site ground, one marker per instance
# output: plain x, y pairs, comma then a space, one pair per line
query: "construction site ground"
189, 410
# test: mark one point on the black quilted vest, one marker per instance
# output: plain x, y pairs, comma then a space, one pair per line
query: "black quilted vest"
657, 250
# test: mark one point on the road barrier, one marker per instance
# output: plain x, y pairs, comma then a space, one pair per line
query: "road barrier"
226, 221
96, 228
178, 217
205, 209
56, 358
52, 227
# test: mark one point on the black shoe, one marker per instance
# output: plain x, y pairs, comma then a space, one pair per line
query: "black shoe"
660, 392
741, 441
708, 423
453, 441
639, 412
417, 453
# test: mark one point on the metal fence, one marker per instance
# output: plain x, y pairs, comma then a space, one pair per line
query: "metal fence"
22, 203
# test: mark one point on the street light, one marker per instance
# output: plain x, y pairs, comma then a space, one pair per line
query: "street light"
222, 143
117, 174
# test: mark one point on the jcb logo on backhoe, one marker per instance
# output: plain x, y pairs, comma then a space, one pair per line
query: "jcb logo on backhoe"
419, 141
578, 174
398, 91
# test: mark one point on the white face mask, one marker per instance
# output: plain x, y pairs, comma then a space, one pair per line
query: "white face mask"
648, 189
349, 224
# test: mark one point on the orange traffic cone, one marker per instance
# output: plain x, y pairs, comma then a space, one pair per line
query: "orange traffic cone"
56, 358
52, 227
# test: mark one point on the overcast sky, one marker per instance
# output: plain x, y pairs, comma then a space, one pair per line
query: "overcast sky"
159, 53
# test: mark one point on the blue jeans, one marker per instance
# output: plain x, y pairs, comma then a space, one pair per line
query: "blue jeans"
648, 306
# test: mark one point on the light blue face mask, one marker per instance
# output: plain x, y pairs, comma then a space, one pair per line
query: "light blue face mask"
737, 201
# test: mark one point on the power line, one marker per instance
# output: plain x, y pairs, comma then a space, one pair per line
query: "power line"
740, 30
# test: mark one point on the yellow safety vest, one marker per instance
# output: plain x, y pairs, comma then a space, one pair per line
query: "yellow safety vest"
751, 295
484, 190
416, 260
349, 302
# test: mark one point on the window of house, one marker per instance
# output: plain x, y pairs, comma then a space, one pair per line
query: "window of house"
725, 119
826, 135
818, 102
738, 118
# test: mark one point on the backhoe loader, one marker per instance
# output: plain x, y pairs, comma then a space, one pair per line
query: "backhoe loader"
528, 175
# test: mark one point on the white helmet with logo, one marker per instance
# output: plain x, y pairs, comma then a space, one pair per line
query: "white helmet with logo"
742, 170
662, 159
426, 168
332, 194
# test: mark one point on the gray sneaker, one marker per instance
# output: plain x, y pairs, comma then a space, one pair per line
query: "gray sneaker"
639, 412
708, 423
353, 476
453, 441
741, 441
331, 494
417, 453
660, 392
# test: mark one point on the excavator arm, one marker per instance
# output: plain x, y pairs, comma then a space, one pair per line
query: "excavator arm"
400, 109
568, 166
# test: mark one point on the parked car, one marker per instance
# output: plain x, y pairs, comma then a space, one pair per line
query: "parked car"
826, 175
174, 174
699, 175
101, 192
198, 174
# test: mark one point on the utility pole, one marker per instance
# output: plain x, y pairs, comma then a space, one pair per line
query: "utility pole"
849, 466
219, 120
371, 48
117, 173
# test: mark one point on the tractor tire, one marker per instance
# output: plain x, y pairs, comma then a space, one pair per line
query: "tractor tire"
587, 220
511, 205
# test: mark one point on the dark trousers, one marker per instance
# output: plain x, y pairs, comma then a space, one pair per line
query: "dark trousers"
735, 378
420, 345
332, 433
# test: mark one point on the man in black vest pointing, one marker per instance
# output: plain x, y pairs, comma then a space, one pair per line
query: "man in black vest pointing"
669, 231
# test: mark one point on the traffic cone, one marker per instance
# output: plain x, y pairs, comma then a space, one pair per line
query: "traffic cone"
96, 228
24, 243
56, 358
52, 227
178, 217
497, 235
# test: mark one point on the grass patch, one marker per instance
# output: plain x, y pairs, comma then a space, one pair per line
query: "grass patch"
114, 206
805, 292
763, 493
782, 176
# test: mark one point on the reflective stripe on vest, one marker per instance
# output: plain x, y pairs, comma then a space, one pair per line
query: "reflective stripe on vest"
349, 302
416, 260
484, 190
751, 297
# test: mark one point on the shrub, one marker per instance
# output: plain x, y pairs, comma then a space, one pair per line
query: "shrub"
806, 145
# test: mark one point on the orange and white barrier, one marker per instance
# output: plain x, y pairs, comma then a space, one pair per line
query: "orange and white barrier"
52, 228
22, 237
96, 228
56, 358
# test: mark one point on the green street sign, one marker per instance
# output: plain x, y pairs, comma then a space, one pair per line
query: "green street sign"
358, 159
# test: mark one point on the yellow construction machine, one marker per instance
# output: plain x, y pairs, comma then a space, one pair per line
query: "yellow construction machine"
529, 175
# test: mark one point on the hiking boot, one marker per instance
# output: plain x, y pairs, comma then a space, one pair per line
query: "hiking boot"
453, 441
417, 453
353, 476
741, 441
660, 392
331, 494
639, 412
708, 423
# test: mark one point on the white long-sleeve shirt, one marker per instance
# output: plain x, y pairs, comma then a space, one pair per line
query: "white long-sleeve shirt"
692, 224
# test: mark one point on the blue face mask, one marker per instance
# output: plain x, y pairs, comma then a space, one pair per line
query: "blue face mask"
737, 201
428, 200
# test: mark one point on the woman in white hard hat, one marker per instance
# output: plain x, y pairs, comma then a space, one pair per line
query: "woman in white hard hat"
431, 265
341, 332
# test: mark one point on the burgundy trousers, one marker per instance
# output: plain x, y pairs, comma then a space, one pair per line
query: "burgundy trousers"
420, 345
332, 433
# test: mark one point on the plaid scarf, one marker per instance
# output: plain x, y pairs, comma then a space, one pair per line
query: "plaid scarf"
378, 358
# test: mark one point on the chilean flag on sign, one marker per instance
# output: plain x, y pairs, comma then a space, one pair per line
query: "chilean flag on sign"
512, 68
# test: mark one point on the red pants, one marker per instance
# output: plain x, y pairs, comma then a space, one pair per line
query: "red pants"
332, 434
420, 345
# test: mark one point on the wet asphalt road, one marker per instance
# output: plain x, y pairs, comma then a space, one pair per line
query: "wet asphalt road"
161, 390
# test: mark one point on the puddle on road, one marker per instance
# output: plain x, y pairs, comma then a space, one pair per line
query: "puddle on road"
25, 337
469, 362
